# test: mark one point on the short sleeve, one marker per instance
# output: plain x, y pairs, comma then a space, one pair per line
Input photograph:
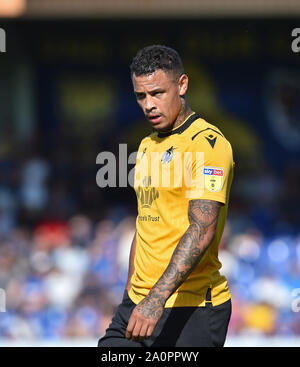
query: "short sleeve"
212, 171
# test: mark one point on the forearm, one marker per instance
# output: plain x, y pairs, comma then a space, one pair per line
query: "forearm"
203, 217
131, 263
189, 250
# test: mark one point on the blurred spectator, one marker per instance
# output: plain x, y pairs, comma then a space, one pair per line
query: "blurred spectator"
259, 318
33, 191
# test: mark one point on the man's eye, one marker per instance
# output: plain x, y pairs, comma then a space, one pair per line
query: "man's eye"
139, 96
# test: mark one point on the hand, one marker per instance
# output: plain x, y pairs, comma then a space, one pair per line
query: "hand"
144, 318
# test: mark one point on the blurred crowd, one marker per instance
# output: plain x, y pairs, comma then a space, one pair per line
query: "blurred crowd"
64, 271
63, 279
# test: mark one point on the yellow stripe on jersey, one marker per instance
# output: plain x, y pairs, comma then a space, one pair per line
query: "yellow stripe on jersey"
193, 161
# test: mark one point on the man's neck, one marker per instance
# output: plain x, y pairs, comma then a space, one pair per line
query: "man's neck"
184, 113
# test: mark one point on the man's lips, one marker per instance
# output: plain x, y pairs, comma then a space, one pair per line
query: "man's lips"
154, 118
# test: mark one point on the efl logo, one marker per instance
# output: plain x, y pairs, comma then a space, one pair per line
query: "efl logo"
213, 178
2, 40
296, 42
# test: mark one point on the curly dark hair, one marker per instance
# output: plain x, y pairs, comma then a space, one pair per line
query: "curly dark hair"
151, 58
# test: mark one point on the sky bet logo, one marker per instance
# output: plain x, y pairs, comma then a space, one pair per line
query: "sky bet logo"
2, 40
213, 171
296, 42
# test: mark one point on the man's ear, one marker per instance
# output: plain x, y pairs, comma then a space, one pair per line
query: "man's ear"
183, 83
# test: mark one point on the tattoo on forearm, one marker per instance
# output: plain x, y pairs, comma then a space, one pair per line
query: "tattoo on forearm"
151, 308
203, 217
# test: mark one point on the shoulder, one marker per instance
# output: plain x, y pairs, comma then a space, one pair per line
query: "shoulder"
147, 139
208, 137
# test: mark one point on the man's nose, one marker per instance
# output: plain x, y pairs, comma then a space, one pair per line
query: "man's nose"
149, 105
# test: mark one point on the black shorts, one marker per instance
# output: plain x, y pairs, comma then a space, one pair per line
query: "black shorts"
178, 326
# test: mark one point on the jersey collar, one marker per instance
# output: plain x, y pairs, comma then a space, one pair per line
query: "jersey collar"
181, 128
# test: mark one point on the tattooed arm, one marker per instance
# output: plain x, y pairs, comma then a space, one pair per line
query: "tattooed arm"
203, 217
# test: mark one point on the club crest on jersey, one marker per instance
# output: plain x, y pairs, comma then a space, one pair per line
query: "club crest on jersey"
213, 178
146, 194
168, 155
